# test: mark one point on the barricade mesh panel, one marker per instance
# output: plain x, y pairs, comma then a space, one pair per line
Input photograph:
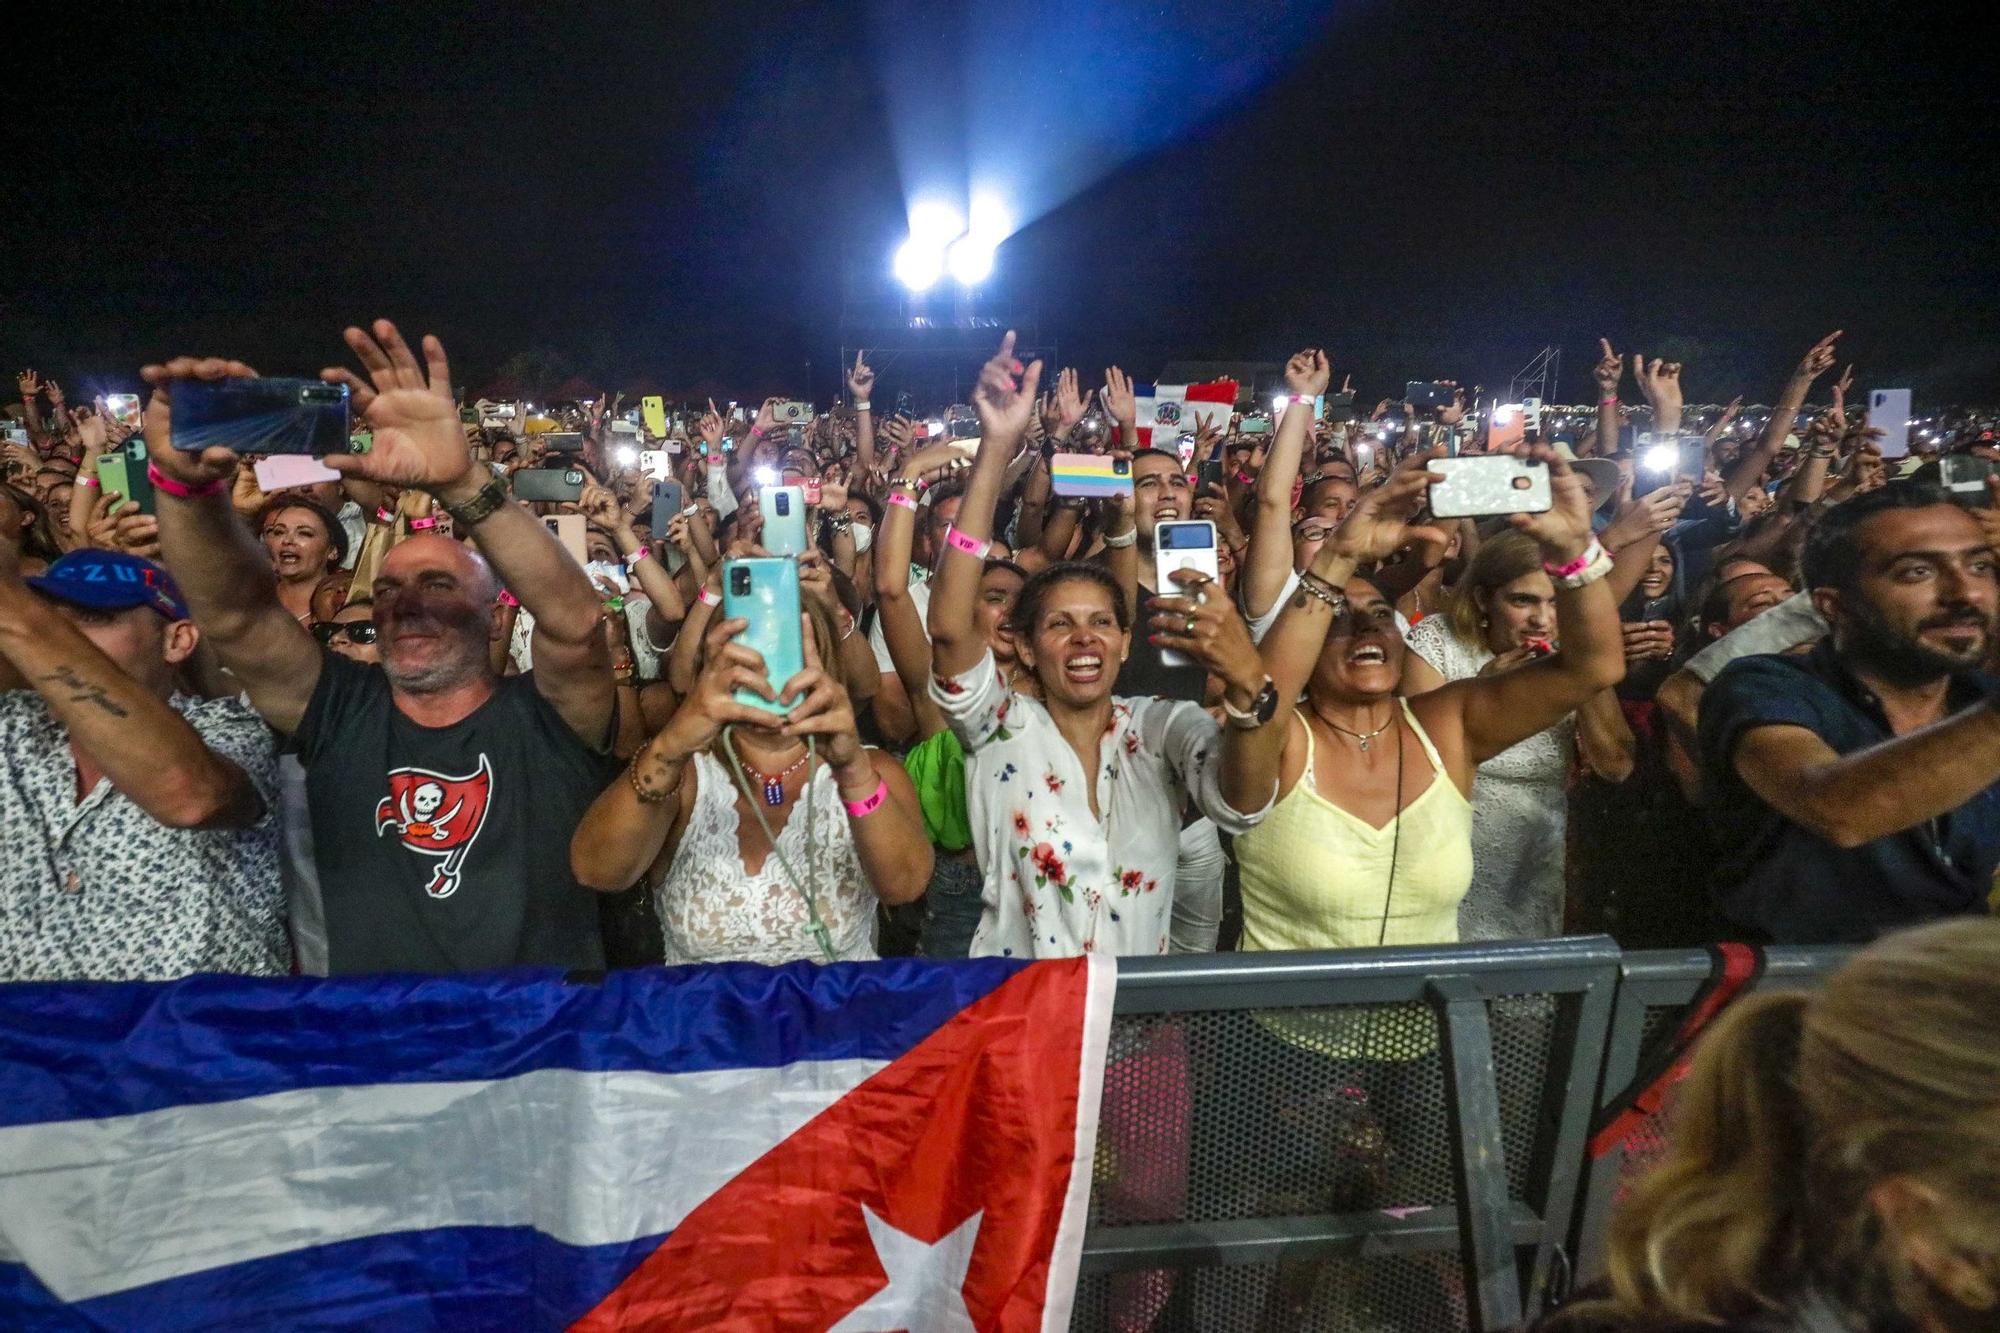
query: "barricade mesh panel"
1649, 1141
1378, 1294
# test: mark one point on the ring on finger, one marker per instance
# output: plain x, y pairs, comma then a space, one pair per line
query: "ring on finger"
1188, 626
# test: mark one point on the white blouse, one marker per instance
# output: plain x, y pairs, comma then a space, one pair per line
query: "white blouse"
1058, 882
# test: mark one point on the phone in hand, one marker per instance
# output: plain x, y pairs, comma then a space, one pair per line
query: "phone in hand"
253, 416
784, 511
1183, 544
1428, 397
1964, 475
656, 463
124, 470
765, 592
549, 484
1090, 476
1889, 412
653, 413
1482, 485
791, 412
562, 442
572, 530
669, 498
1340, 407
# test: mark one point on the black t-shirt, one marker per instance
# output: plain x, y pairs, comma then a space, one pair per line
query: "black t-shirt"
446, 849
1145, 674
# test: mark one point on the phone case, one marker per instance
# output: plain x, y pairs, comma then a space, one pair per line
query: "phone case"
784, 510
669, 498
261, 416
1090, 476
548, 484
571, 530
124, 470
1183, 544
653, 411
765, 592
1486, 484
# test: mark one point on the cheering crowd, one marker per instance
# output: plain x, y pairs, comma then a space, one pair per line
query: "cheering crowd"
390, 720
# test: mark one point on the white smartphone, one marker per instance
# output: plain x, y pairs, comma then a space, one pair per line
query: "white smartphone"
1183, 544
1889, 412
784, 510
1484, 484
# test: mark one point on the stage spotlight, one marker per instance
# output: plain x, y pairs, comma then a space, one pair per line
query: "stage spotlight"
970, 260
919, 263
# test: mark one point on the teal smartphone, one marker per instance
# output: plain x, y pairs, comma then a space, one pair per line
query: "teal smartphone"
124, 470
765, 592
784, 509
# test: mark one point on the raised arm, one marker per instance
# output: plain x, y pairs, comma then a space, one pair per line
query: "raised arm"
1123, 405
861, 383
1610, 369
1005, 400
223, 570
1264, 574
1497, 711
418, 443
1750, 468
1660, 382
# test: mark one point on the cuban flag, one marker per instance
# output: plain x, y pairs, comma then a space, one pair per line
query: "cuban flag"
1171, 409
857, 1147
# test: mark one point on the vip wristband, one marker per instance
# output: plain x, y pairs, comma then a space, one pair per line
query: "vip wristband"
972, 546
870, 803
903, 501
424, 524
162, 482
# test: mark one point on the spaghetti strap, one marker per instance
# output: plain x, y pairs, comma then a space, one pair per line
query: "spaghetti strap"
1423, 738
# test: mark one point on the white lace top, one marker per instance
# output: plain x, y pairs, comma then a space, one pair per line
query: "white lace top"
712, 911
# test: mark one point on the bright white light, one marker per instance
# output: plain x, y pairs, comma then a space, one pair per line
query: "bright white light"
935, 221
919, 263
627, 457
970, 260
1279, 403
764, 476
990, 222
1503, 416
1661, 458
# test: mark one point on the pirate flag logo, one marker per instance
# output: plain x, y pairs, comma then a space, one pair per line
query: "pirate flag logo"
437, 815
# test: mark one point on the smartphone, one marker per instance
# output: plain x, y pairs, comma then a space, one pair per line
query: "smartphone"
562, 442
124, 470
961, 423
653, 413
1487, 484
1182, 544
1889, 412
1091, 476
1255, 425
122, 407
1531, 420
656, 463
1509, 428
765, 592
669, 498
791, 412
1964, 475
1424, 396
548, 483
282, 472
570, 530
261, 416
784, 511
1340, 407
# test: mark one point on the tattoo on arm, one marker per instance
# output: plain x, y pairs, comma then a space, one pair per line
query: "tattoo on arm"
82, 691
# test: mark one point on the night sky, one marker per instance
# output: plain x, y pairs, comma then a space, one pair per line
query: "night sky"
675, 191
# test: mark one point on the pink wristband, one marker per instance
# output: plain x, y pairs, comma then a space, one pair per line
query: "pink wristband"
1576, 566
898, 498
1245, 478
870, 803
972, 546
508, 598
1606, 402
384, 514
423, 524
640, 554
707, 598
162, 482
87, 481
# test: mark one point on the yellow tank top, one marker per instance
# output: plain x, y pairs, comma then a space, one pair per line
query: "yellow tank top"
1317, 877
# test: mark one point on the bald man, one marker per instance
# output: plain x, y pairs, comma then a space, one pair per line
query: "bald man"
441, 796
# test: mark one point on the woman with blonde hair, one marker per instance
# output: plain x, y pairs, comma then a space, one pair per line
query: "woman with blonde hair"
1833, 1161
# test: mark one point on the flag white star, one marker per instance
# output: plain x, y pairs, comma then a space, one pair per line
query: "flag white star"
925, 1281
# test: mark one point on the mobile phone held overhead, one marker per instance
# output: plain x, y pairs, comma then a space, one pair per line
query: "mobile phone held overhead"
256, 416
1482, 485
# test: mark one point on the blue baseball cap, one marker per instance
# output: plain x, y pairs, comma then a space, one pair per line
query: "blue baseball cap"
111, 581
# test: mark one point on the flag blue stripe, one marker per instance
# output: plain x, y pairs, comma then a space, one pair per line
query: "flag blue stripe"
460, 1278
101, 1049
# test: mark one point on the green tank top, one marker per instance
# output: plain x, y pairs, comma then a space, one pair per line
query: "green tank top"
937, 768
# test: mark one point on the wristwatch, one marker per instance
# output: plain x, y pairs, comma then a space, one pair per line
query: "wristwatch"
1262, 709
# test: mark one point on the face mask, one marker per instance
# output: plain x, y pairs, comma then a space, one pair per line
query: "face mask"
864, 537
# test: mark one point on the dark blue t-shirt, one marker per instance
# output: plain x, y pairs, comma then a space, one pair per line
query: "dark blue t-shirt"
1787, 885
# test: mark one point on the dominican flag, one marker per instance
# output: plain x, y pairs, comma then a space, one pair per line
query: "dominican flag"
1171, 409
857, 1147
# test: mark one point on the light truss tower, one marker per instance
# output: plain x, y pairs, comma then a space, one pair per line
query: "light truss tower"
1539, 378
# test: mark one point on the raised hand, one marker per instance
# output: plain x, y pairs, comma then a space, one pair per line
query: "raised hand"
727, 666
1659, 381
1656, 511
1452, 415
1005, 397
210, 466
1199, 619
1564, 530
1648, 640
1119, 400
29, 383
1817, 360
1308, 373
418, 441
833, 489
860, 379
55, 393
600, 506
93, 429
820, 707
1610, 369
710, 429
1071, 402
1379, 525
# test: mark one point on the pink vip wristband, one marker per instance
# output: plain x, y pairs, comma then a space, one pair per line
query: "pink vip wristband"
898, 498
708, 598
161, 481
423, 524
1576, 566
972, 546
870, 803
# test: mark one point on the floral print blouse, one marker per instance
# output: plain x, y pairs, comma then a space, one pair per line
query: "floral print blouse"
1059, 882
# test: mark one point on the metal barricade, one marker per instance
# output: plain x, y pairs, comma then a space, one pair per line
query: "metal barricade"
1655, 989
1350, 1140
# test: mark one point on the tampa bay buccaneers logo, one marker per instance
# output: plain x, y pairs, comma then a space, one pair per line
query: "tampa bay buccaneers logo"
437, 815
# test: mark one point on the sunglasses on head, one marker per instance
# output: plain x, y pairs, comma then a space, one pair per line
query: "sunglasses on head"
360, 633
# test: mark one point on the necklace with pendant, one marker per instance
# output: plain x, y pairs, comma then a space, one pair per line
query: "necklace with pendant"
774, 783
1361, 738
